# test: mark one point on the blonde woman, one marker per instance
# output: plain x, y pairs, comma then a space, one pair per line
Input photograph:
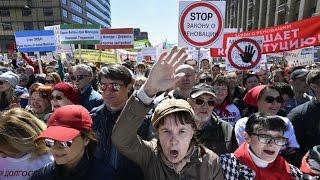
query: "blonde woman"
19, 156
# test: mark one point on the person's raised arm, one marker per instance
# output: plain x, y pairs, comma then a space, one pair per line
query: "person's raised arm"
161, 78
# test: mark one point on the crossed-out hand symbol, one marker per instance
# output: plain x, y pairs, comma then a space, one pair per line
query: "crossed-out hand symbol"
248, 54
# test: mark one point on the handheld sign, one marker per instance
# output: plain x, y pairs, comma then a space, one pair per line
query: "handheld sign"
32, 41
79, 34
120, 38
244, 53
201, 23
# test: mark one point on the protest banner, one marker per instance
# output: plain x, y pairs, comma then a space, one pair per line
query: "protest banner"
221, 52
299, 57
124, 55
285, 37
199, 54
79, 34
96, 56
201, 23
121, 38
149, 51
60, 48
32, 41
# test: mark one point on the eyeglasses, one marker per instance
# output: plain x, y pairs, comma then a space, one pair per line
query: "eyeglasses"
56, 97
204, 80
270, 99
111, 86
78, 77
266, 139
50, 143
201, 102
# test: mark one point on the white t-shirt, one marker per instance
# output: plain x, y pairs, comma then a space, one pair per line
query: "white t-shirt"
240, 127
233, 117
22, 168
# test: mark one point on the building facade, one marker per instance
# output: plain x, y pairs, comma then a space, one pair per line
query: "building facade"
19, 15
256, 14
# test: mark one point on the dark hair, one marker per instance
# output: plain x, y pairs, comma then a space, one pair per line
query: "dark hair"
284, 88
260, 121
91, 147
247, 76
313, 76
116, 72
222, 80
40, 78
216, 65
297, 67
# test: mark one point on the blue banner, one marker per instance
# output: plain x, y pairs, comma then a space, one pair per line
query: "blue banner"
33, 41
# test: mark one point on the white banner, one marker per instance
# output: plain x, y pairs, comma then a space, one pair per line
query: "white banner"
196, 55
149, 51
60, 47
79, 35
299, 57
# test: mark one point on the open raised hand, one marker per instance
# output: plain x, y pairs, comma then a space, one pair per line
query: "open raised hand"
162, 76
248, 54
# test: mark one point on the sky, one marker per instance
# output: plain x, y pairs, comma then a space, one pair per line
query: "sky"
157, 17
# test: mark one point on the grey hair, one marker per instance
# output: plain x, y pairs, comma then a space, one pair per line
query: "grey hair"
83, 67
183, 67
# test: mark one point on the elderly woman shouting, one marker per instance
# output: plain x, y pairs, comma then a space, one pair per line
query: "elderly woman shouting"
175, 154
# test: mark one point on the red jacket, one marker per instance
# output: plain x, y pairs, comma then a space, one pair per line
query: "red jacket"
31, 63
278, 169
305, 168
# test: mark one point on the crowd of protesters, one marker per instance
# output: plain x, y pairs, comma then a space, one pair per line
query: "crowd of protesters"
175, 118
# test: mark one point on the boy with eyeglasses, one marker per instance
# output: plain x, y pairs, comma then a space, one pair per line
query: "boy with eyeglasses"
258, 158
215, 134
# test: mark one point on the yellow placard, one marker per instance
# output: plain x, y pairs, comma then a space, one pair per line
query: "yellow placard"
96, 56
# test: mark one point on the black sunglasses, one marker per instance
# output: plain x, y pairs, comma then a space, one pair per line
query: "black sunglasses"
266, 139
79, 77
56, 97
270, 99
205, 80
201, 101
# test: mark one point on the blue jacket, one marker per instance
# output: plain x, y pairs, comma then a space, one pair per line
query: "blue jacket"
103, 123
90, 98
86, 169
